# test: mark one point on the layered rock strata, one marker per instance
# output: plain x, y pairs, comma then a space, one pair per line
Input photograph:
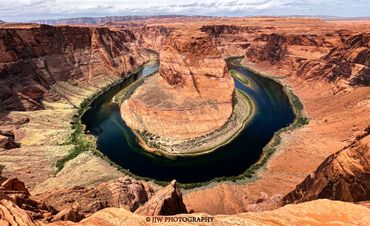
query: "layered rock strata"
122, 193
342, 176
339, 58
34, 58
193, 98
167, 201
17, 205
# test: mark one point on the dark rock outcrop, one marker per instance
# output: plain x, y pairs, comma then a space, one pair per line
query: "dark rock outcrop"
8, 129
273, 51
217, 30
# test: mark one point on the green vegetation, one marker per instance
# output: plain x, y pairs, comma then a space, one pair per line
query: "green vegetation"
83, 142
241, 78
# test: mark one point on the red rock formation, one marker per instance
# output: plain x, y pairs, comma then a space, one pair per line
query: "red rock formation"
319, 212
153, 36
167, 201
342, 176
193, 95
265, 202
15, 195
11, 214
347, 56
217, 30
16, 204
34, 58
122, 193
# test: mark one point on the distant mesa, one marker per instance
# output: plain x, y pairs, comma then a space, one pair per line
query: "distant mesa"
107, 19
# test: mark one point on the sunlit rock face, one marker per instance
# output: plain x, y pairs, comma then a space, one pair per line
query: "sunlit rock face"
190, 97
35, 57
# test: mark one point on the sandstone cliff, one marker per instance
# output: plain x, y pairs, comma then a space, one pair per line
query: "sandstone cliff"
154, 36
342, 176
46, 73
338, 58
34, 58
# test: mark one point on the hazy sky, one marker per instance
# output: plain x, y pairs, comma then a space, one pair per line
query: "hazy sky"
26, 10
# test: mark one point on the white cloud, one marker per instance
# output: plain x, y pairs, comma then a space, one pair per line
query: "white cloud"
25, 10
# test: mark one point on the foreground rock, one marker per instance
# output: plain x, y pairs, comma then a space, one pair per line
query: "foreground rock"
193, 94
11, 214
18, 206
342, 176
77, 203
19, 211
122, 193
318, 212
167, 201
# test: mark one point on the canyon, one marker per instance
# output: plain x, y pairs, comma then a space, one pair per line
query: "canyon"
49, 73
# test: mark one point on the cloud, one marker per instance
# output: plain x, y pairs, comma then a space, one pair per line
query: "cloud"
26, 10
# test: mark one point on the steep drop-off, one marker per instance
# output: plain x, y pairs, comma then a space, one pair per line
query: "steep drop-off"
35, 58
342, 176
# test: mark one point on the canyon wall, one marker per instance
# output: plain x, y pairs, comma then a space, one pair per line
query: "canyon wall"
34, 58
337, 57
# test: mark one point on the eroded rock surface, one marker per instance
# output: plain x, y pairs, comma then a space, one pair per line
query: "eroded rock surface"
167, 201
342, 176
317, 212
34, 58
193, 92
77, 203
122, 193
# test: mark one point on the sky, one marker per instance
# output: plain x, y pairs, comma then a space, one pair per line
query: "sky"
27, 10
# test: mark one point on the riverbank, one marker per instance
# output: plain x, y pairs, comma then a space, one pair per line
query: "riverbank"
52, 152
296, 153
